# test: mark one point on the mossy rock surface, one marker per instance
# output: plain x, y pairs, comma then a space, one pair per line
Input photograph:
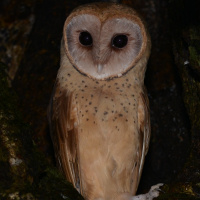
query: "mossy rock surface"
185, 25
24, 171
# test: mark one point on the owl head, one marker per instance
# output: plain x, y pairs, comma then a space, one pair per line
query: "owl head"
105, 40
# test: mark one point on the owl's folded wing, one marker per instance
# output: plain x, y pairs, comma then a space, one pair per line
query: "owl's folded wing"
63, 120
144, 127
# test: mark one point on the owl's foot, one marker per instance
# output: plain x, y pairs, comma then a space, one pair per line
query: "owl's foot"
153, 192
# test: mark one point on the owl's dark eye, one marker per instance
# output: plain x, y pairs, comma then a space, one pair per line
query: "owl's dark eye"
119, 41
85, 38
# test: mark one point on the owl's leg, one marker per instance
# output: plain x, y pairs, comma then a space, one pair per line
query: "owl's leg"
153, 192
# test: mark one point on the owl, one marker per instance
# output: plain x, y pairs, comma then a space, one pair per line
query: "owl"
99, 110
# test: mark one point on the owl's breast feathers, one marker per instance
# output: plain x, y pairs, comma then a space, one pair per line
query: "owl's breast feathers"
101, 134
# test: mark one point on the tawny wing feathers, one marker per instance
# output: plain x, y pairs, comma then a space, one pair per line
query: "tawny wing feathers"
64, 134
144, 127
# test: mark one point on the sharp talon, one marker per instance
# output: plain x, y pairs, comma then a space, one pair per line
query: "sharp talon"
153, 193
156, 186
162, 191
159, 189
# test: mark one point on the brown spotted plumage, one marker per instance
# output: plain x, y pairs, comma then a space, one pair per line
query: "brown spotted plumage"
99, 111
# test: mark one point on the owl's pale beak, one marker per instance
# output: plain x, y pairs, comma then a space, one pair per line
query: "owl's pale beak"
100, 57
99, 68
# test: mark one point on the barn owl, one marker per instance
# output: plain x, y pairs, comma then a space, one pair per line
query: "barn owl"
99, 111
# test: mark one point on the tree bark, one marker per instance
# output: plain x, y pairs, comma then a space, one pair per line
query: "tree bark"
24, 171
185, 29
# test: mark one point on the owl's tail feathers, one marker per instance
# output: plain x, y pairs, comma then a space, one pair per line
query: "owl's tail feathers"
153, 192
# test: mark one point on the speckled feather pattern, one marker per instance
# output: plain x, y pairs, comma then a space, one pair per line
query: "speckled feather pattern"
101, 128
